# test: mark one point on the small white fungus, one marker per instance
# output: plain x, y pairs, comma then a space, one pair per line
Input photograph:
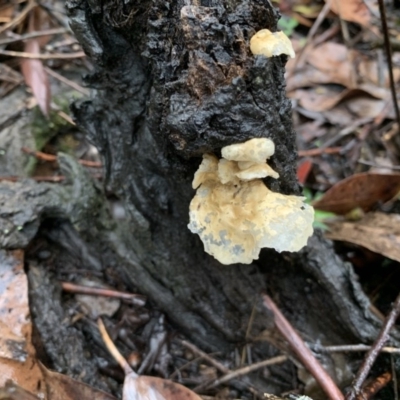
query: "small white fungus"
236, 215
271, 44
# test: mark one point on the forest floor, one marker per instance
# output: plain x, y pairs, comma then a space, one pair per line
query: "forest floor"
341, 87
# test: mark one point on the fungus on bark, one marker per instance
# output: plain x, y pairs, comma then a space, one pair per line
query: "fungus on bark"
271, 44
236, 215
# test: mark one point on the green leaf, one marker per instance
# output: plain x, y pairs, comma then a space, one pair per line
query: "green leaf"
287, 25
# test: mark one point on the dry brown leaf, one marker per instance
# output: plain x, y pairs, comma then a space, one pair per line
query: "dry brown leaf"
11, 391
370, 71
377, 232
333, 60
16, 351
152, 388
363, 190
62, 387
324, 98
34, 73
18, 361
305, 77
352, 10
138, 387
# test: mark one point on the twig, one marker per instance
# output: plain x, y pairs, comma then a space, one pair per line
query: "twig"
184, 366
20, 17
66, 117
375, 386
136, 299
220, 367
67, 81
33, 35
58, 178
394, 376
194, 349
354, 348
51, 158
301, 54
318, 152
302, 351
113, 349
370, 357
248, 330
39, 178
35, 56
388, 51
246, 370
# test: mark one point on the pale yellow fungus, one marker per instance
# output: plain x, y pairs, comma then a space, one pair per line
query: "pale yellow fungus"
227, 171
270, 44
255, 150
257, 171
236, 215
207, 171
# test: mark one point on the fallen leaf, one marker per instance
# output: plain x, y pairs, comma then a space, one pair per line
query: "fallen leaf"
143, 387
303, 170
12, 391
34, 73
152, 388
309, 11
62, 387
376, 231
333, 60
17, 354
352, 10
362, 190
324, 98
20, 370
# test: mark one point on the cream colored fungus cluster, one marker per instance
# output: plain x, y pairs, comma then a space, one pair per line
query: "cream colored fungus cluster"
236, 215
271, 44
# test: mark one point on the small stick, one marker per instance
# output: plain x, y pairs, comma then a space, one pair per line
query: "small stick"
39, 178
67, 81
51, 158
246, 370
194, 349
394, 376
113, 349
91, 291
388, 51
317, 152
301, 54
66, 117
20, 17
38, 56
372, 354
355, 347
58, 178
302, 351
374, 387
220, 367
33, 35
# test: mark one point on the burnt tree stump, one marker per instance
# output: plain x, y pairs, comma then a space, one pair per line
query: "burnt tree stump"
174, 80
